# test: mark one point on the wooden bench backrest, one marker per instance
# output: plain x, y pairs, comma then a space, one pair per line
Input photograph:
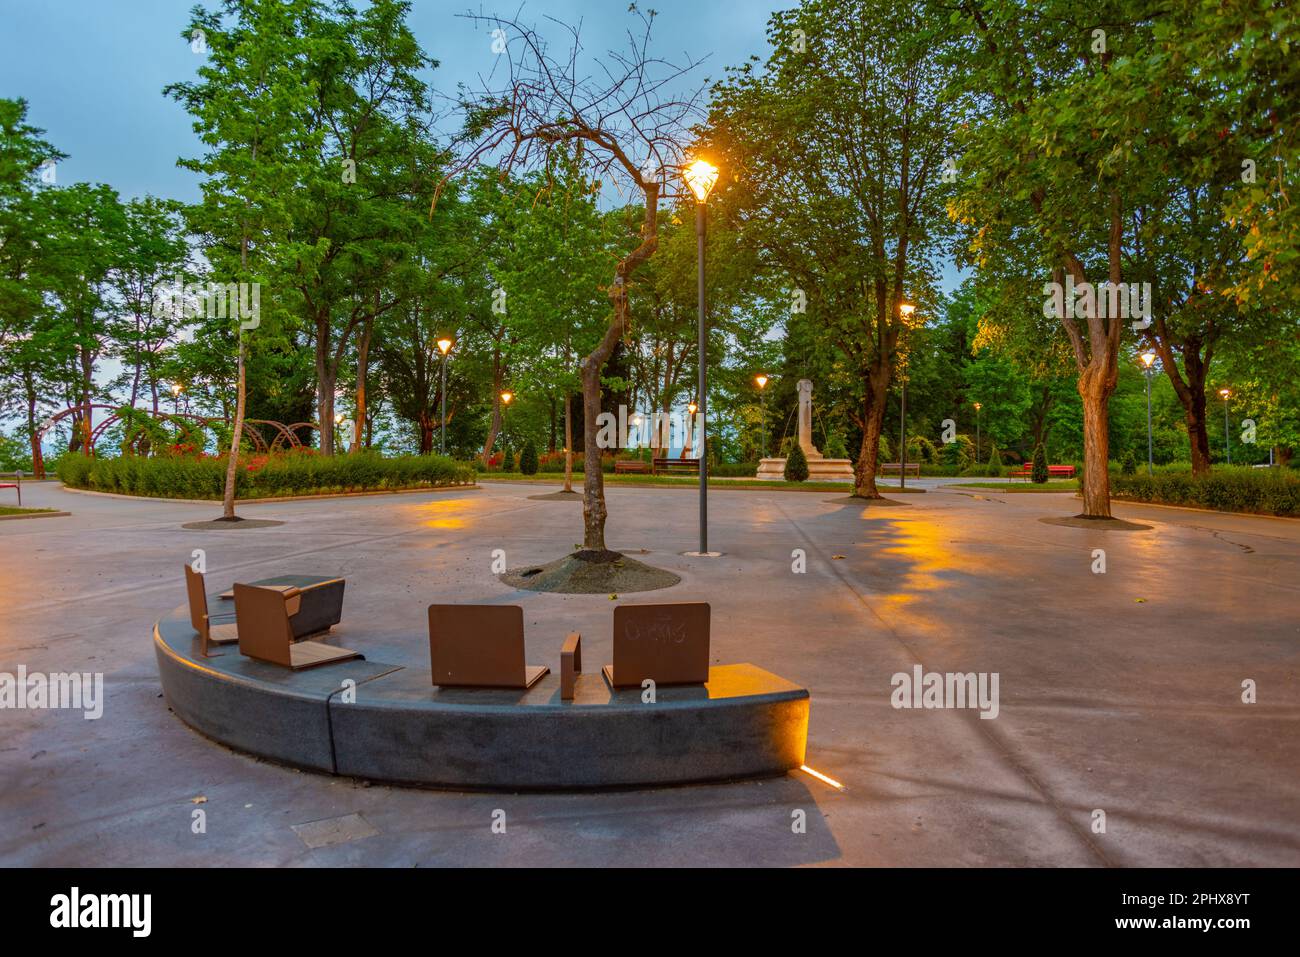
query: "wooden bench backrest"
262, 620
198, 597
477, 645
666, 642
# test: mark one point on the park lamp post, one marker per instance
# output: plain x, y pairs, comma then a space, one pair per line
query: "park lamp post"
977, 432
690, 424
701, 177
1227, 442
176, 398
905, 309
444, 346
762, 415
505, 407
1148, 360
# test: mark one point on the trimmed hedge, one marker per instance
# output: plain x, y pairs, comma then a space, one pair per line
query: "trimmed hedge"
1226, 488
260, 476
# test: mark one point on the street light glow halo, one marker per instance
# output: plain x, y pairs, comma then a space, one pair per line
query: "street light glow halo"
444, 346
701, 176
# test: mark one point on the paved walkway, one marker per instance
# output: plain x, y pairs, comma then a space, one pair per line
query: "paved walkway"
1119, 692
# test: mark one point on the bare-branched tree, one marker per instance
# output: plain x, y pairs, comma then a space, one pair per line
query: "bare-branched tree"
627, 120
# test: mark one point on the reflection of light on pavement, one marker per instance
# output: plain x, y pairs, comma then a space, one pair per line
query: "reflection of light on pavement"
923, 545
446, 512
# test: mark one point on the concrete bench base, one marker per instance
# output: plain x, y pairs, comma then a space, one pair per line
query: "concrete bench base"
391, 724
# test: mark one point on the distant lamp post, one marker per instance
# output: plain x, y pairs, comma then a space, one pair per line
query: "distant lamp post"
977, 432
762, 415
338, 422
701, 176
905, 309
1227, 441
176, 398
1148, 361
444, 346
690, 425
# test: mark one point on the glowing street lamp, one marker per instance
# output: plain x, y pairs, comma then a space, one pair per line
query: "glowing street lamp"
1227, 442
762, 421
701, 176
905, 309
977, 432
444, 346
1148, 360
176, 398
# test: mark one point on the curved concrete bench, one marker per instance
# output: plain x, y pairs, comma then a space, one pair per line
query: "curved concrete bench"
744, 722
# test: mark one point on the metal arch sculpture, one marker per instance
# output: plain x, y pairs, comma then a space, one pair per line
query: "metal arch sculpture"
292, 432
285, 433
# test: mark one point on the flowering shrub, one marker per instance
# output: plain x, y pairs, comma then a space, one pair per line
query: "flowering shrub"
300, 472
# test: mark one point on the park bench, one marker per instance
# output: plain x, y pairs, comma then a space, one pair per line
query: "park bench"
691, 466
631, 467
218, 629
1053, 471
894, 468
667, 643
480, 646
263, 618
16, 484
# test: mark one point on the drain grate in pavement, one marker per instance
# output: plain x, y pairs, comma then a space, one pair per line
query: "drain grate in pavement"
334, 830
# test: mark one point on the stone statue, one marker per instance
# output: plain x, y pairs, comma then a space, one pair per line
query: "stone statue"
805, 420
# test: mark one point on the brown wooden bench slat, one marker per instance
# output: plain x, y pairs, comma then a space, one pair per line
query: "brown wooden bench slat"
677, 465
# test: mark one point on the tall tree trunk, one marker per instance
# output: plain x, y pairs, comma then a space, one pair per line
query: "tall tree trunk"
1095, 392
325, 379
594, 511
568, 441
363, 365
426, 431
228, 498
494, 428
873, 423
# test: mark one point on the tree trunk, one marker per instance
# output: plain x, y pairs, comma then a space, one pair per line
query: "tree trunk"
324, 385
1095, 391
568, 441
228, 499
494, 428
873, 421
363, 363
426, 432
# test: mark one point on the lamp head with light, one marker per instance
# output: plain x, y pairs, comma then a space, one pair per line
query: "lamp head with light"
761, 380
701, 176
906, 309
1225, 392
506, 397
691, 408
176, 388
978, 406
1148, 359
444, 346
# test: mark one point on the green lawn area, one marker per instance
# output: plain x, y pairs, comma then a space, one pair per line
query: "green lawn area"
1064, 485
11, 510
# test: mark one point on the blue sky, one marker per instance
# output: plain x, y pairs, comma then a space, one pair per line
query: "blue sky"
93, 70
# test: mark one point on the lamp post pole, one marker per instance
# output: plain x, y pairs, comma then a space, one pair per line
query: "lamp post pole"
762, 416
701, 177
905, 309
444, 346
978, 406
1148, 358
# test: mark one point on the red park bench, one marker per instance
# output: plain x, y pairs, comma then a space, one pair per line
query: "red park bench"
1053, 471
16, 484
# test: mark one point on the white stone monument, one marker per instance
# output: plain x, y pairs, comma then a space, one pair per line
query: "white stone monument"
819, 469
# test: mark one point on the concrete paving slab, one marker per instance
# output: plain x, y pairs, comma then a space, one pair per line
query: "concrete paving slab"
1119, 692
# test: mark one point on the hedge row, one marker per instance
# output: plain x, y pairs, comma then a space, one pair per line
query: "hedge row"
1226, 488
261, 477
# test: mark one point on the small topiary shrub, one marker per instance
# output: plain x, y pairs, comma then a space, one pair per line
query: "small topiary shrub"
1128, 464
995, 465
796, 465
1039, 471
528, 458
508, 461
